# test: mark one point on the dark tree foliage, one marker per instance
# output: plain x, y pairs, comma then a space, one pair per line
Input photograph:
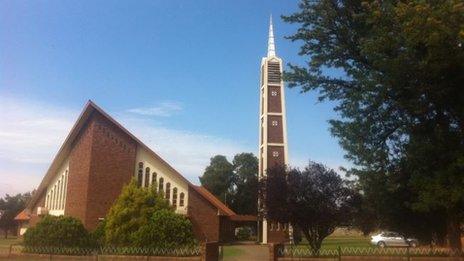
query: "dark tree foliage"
315, 200
401, 100
236, 183
218, 177
10, 206
245, 195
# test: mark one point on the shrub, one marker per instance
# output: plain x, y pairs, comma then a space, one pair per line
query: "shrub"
98, 235
61, 231
133, 209
166, 230
243, 233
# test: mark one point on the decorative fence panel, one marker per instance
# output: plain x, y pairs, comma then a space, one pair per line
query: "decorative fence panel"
19, 252
302, 253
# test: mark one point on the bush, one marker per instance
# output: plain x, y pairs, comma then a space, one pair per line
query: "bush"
133, 209
98, 235
61, 231
166, 230
243, 233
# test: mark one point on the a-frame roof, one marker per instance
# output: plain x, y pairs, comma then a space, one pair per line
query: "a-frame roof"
65, 149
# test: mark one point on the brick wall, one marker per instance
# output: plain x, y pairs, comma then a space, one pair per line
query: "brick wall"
78, 177
203, 217
102, 161
279, 160
112, 166
274, 102
275, 133
34, 217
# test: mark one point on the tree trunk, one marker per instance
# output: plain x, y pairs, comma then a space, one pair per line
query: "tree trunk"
6, 233
454, 233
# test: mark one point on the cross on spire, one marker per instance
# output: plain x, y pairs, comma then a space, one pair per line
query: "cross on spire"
270, 42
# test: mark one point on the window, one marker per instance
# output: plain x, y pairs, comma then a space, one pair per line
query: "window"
181, 199
271, 226
147, 177
174, 197
275, 154
168, 191
153, 178
161, 184
140, 175
274, 123
274, 93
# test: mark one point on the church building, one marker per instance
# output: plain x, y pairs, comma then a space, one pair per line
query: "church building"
99, 157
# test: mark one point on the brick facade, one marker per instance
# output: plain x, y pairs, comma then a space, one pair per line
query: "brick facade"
204, 217
275, 159
111, 167
275, 133
274, 99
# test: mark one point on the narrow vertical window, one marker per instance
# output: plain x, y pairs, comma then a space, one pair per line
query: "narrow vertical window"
140, 175
65, 188
174, 197
168, 191
153, 178
147, 177
181, 199
161, 184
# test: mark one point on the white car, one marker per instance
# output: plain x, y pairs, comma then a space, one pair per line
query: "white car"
388, 238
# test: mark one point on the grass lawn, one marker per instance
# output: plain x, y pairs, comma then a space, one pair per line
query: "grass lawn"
332, 242
231, 251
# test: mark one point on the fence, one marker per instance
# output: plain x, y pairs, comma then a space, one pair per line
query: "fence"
288, 252
204, 252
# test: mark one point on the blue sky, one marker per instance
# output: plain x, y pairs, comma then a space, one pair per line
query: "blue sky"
182, 75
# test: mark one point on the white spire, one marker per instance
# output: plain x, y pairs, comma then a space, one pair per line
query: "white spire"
270, 42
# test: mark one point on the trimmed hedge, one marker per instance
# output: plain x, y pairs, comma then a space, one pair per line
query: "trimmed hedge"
58, 231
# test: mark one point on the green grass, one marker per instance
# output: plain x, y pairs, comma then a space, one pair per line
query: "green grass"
333, 242
10, 240
231, 251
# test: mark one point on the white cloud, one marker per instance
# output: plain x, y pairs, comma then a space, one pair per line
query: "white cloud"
31, 134
163, 109
189, 153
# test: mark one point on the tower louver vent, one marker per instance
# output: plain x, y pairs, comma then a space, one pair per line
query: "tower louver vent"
273, 72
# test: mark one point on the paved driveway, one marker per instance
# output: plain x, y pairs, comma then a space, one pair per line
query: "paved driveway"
245, 252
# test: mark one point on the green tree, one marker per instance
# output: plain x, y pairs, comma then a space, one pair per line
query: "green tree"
10, 206
218, 178
315, 200
165, 230
57, 231
133, 209
400, 100
245, 186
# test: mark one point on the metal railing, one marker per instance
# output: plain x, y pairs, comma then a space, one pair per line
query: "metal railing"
15, 250
301, 251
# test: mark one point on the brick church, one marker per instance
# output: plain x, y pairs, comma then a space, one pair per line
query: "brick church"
99, 156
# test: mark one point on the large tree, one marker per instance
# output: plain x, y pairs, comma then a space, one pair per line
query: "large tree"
218, 178
236, 183
245, 195
315, 200
10, 206
400, 98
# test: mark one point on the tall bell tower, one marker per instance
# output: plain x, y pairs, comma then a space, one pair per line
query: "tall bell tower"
273, 129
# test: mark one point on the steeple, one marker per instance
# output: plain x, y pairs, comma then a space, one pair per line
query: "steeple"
270, 41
